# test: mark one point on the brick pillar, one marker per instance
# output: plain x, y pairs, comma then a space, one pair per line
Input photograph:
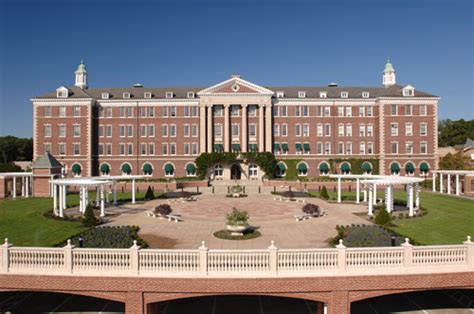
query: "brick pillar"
340, 303
134, 303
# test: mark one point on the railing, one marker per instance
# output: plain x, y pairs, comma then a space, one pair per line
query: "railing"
255, 263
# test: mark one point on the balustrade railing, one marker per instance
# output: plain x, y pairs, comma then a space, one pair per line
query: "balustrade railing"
205, 262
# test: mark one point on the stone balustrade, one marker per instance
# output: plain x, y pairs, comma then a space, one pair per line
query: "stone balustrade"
204, 262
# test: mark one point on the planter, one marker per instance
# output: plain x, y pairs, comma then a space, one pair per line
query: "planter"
236, 230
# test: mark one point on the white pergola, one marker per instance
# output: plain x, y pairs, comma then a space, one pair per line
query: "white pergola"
448, 174
370, 183
26, 180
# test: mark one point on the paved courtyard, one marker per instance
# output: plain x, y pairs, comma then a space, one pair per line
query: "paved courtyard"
274, 219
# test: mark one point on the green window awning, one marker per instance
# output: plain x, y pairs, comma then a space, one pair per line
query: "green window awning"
366, 167
191, 169
424, 167
126, 168
284, 147
306, 147
76, 169
409, 168
345, 168
105, 169
302, 167
169, 168
236, 147
252, 147
147, 169
324, 167
282, 167
298, 147
219, 148
276, 147
395, 168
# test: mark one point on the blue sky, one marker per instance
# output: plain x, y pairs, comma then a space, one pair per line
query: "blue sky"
199, 43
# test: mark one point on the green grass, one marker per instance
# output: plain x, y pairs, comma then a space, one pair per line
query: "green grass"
23, 223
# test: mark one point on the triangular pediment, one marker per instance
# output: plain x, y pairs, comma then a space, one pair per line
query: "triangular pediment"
235, 85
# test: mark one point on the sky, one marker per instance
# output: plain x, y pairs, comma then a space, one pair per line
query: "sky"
200, 43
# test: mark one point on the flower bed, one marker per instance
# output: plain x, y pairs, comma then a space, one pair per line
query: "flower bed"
110, 237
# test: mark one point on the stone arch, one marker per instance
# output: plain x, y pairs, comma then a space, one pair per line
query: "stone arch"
355, 296
147, 163
186, 167
367, 163
126, 163
81, 168
391, 167
424, 162
303, 168
345, 167
327, 165
105, 163
409, 162
169, 163
285, 166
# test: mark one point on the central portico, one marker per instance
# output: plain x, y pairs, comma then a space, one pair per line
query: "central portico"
236, 116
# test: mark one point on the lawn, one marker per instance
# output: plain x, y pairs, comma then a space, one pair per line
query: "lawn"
23, 223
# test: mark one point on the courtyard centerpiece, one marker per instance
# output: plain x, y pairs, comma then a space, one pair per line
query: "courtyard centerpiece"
237, 227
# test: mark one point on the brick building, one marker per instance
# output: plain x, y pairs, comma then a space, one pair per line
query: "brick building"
160, 131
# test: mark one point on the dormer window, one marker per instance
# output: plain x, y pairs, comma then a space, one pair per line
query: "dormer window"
408, 91
191, 95
169, 94
344, 94
365, 94
105, 95
301, 94
62, 92
147, 95
280, 94
323, 94
126, 95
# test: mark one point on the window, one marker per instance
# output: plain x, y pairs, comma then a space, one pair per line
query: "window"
327, 129
362, 148
284, 130
253, 170
151, 112
194, 130
109, 149
327, 148
370, 111
218, 111
165, 112
408, 110
194, 148
394, 148
301, 94
423, 110
423, 148
349, 148
130, 149
235, 130
101, 130
423, 129
348, 111
319, 130
319, 111
409, 129
122, 112
126, 95
62, 130
234, 111
101, 112
284, 111
297, 129
276, 111
186, 111
409, 148
130, 112
361, 111
394, 129
173, 130
169, 94
276, 130
143, 129
306, 129
77, 111
298, 111
173, 149
370, 148
130, 130
218, 170
340, 111
62, 93
280, 94
194, 111
323, 94
172, 111
76, 148
370, 130
340, 130
62, 111
147, 95
327, 111
305, 111
186, 149
319, 148
151, 130
344, 94
142, 112
62, 149
108, 112
348, 129
218, 131
186, 130
47, 148
190, 95
253, 130
77, 130
122, 130
253, 110
122, 149
47, 111
47, 130
365, 94
143, 150
151, 149
164, 149
341, 148
408, 91
361, 130
105, 95
394, 110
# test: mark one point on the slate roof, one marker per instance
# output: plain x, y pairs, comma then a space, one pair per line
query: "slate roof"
47, 161
289, 92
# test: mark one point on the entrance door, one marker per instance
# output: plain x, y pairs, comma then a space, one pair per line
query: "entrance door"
235, 172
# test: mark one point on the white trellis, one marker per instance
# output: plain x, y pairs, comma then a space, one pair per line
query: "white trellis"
449, 173
26, 181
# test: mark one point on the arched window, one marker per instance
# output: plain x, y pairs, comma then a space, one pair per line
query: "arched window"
169, 170
302, 169
147, 169
345, 168
253, 170
280, 170
409, 168
218, 170
190, 170
395, 168
126, 169
366, 167
76, 170
324, 168
105, 169
424, 168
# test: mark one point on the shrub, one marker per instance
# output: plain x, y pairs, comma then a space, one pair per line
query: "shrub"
89, 219
236, 189
310, 209
237, 217
163, 209
149, 195
324, 193
288, 194
383, 218
365, 236
110, 237
186, 194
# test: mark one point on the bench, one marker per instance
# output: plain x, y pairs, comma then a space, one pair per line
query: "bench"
176, 218
302, 217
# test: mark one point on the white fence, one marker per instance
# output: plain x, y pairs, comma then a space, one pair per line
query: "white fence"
256, 263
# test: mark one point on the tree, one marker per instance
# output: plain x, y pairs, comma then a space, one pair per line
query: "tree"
15, 149
324, 193
149, 195
383, 218
454, 132
457, 161
89, 219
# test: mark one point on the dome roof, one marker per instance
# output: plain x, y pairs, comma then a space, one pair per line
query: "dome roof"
389, 67
81, 68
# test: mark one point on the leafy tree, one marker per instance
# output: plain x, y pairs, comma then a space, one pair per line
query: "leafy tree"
457, 161
454, 132
324, 193
15, 149
163, 209
9, 167
89, 219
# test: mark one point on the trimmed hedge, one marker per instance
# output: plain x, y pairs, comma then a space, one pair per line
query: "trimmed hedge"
365, 236
120, 237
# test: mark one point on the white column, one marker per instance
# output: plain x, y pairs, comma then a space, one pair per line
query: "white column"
226, 128
97, 196
202, 129
102, 205
268, 128
457, 185
107, 191
449, 184
410, 187
61, 200
244, 128
209, 129
261, 144
82, 207
55, 199
357, 191
387, 199
86, 197
440, 183
375, 194
365, 194
133, 191
408, 195
339, 189
371, 208
27, 186
115, 194
64, 196
417, 195
14, 187
23, 186
434, 182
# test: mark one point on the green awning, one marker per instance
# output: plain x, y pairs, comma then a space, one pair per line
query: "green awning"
252, 147
424, 167
147, 169
298, 147
302, 167
105, 169
169, 168
345, 168
126, 168
236, 147
409, 168
306, 147
282, 167
366, 167
276, 147
191, 169
284, 147
324, 167
395, 168
76, 169
219, 148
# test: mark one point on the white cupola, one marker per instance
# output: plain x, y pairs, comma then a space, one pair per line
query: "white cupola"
389, 77
81, 76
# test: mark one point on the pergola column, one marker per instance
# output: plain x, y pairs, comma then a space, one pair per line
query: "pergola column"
434, 182
61, 200
14, 187
410, 207
64, 196
375, 194
388, 198
23, 186
107, 191
82, 207
97, 196
339, 189
202, 129
209, 129
133, 191
261, 144
115, 194
55, 199
365, 194
357, 191
244, 128
449, 183
102, 201
268, 128
226, 128
371, 206
441, 182
457, 184
417, 195
27, 186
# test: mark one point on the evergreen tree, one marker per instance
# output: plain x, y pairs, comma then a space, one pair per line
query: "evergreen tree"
324, 193
89, 219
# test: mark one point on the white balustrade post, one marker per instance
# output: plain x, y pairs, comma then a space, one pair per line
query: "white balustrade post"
434, 182
273, 258
410, 207
449, 183
5, 256
470, 251
440, 183
371, 205
134, 258
14, 187
339, 189
457, 184
357, 191
68, 257
133, 191
341, 255
102, 202
203, 250
408, 253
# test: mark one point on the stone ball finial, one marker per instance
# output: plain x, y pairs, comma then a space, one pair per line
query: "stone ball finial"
272, 245
203, 245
